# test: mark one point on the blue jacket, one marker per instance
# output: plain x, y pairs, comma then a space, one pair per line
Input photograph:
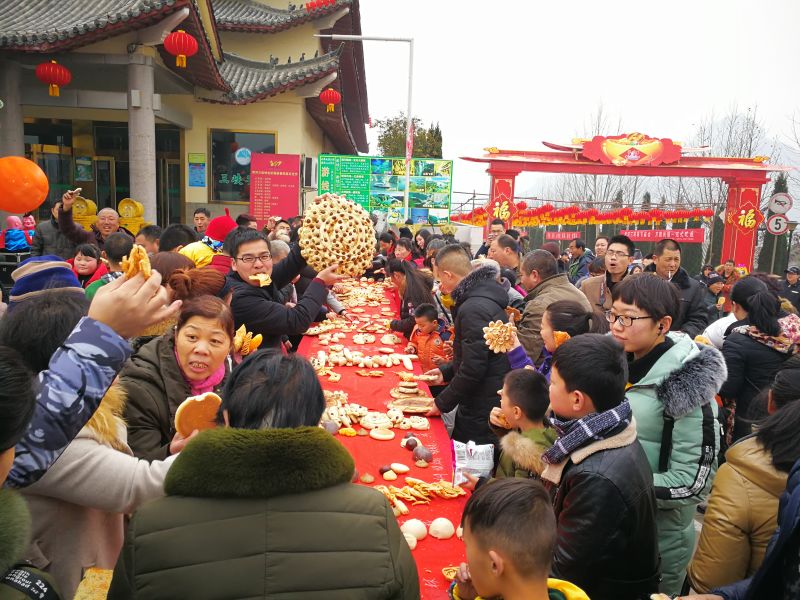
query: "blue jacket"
768, 580
15, 240
68, 394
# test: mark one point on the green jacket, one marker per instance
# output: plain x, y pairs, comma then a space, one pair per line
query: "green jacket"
521, 453
678, 393
265, 514
15, 535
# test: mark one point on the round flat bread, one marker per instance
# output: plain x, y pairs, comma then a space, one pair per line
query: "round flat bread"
197, 412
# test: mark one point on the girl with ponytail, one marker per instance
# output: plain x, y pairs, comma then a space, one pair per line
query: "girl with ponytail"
560, 318
743, 506
758, 343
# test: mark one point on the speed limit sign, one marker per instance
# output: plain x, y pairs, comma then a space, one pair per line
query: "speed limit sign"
777, 224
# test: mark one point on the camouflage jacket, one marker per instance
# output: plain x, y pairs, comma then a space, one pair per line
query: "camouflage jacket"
68, 394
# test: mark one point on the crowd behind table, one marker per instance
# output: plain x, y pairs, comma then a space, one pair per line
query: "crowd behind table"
633, 397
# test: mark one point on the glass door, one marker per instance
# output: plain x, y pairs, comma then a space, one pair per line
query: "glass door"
56, 162
105, 180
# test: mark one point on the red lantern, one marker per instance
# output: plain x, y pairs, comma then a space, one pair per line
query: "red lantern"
23, 185
181, 45
331, 98
54, 75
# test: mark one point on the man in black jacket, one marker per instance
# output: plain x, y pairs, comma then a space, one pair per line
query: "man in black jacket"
598, 476
791, 287
259, 306
693, 318
476, 373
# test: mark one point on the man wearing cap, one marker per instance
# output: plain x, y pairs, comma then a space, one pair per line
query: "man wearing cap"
203, 251
713, 296
791, 287
41, 273
107, 223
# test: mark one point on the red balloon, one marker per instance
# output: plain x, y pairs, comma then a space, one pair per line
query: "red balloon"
23, 185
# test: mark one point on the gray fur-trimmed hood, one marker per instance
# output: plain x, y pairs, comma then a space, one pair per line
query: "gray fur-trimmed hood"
482, 280
694, 383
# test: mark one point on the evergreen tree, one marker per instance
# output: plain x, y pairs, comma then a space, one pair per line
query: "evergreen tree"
392, 138
774, 245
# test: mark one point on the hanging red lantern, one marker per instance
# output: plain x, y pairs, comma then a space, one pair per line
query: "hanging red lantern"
54, 75
330, 98
181, 45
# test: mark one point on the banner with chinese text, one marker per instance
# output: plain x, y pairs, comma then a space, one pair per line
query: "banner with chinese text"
683, 236
274, 186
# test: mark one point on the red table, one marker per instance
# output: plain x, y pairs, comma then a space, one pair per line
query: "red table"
431, 555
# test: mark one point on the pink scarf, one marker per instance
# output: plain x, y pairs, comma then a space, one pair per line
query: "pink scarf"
206, 385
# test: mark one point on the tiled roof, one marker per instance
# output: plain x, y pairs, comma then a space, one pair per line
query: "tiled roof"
251, 80
42, 25
250, 15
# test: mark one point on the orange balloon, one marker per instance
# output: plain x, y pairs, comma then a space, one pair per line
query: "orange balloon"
23, 185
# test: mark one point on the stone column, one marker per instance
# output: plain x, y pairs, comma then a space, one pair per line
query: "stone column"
142, 134
12, 130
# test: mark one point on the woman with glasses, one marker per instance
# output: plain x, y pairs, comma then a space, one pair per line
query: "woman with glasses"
256, 280
672, 385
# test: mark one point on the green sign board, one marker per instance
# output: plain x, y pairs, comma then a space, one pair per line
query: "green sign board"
378, 183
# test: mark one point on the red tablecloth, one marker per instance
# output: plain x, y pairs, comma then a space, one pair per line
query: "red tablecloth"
431, 555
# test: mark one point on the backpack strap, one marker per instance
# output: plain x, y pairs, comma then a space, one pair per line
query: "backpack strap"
666, 443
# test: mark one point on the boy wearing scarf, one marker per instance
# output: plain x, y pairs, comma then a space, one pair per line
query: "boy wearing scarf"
598, 475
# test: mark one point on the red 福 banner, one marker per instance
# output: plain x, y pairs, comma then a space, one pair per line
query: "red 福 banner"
274, 186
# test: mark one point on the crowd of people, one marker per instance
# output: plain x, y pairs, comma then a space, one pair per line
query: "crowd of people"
634, 398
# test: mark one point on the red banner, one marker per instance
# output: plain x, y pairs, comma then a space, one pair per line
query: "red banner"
562, 235
682, 236
274, 186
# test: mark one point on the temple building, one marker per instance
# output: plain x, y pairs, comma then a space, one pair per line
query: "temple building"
131, 123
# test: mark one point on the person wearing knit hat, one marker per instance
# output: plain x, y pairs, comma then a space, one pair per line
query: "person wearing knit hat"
203, 251
39, 273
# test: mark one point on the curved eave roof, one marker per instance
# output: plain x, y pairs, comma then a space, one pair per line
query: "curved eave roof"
48, 26
251, 81
255, 17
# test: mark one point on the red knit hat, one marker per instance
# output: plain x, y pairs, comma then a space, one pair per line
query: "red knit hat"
220, 227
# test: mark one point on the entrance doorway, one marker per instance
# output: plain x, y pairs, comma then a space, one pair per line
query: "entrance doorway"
168, 174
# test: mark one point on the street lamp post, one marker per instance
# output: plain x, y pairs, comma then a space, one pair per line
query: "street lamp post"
409, 121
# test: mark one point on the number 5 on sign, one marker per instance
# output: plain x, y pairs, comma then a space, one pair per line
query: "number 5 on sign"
777, 224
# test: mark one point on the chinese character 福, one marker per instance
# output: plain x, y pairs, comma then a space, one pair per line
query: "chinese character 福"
501, 211
748, 219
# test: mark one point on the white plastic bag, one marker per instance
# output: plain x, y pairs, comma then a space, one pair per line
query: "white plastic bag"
477, 460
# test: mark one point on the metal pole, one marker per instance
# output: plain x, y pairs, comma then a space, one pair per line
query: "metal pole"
409, 115
409, 127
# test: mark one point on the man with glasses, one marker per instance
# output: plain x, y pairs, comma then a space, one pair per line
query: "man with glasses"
693, 317
618, 257
255, 281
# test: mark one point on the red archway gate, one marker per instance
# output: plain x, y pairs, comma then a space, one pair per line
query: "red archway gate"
639, 155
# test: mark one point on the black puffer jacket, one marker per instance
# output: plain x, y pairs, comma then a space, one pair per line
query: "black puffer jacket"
261, 309
605, 506
694, 314
752, 362
476, 373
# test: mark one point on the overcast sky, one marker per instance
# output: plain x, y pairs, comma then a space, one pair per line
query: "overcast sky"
510, 74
